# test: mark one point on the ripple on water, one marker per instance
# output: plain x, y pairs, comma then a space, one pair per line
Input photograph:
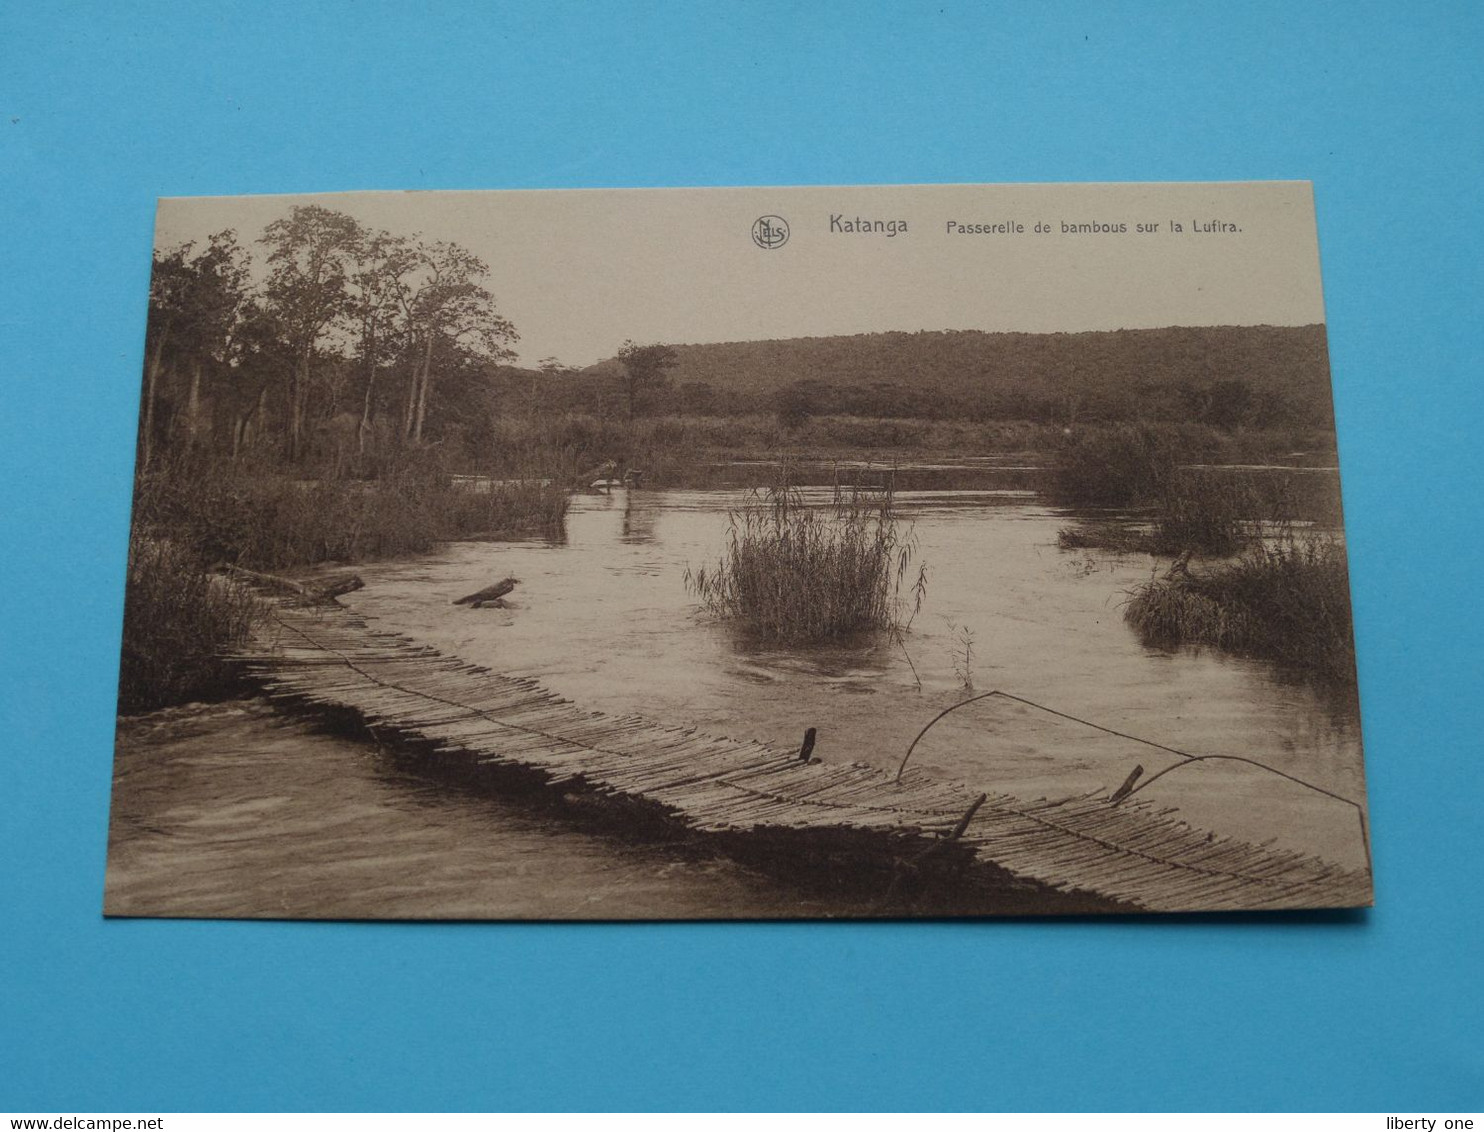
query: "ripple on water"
282, 820
608, 623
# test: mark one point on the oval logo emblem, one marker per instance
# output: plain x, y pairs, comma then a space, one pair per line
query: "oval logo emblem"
770, 232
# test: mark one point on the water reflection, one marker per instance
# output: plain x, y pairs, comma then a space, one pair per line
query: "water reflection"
641, 511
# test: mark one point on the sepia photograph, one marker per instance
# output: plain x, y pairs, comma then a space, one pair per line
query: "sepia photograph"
755, 553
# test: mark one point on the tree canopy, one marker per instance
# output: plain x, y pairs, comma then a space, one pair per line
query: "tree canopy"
645, 370
350, 341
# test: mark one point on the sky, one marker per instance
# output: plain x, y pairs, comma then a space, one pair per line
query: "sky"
579, 272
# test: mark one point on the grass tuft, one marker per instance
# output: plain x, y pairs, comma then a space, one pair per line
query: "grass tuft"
1288, 602
794, 573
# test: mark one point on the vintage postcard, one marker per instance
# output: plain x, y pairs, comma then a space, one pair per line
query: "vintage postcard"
738, 553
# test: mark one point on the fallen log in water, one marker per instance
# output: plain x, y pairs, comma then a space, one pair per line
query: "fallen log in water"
324, 593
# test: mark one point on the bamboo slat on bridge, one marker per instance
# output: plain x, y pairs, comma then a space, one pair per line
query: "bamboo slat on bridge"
1133, 853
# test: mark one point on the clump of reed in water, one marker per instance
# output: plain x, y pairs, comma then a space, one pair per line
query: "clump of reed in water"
1288, 602
796, 573
1208, 511
1204, 510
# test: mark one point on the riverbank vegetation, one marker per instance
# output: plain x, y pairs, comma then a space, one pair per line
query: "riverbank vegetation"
315, 408
1287, 601
277, 521
178, 621
1282, 591
685, 450
1181, 487
181, 615
797, 573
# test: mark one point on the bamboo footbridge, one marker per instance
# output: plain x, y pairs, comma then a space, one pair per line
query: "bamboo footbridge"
1131, 853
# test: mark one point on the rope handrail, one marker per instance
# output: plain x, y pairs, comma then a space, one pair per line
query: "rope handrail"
1128, 789
1139, 855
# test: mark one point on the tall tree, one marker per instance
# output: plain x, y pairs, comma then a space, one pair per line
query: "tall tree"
260, 355
644, 372
312, 255
551, 369
449, 308
219, 293
195, 303
169, 299
376, 288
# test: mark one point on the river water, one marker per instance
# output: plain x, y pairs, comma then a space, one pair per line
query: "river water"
603, 617
234, 810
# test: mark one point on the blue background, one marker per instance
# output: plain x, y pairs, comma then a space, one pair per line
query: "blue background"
106, 106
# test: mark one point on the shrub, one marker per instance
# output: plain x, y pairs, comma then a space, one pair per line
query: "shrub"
274, 522
1125, 465
1288, 602
178, 618
872, 432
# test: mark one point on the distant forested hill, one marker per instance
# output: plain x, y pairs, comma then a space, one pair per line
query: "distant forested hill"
1093, 373
1223, 375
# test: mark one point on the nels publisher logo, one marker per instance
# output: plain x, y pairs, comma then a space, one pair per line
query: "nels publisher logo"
770, 232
